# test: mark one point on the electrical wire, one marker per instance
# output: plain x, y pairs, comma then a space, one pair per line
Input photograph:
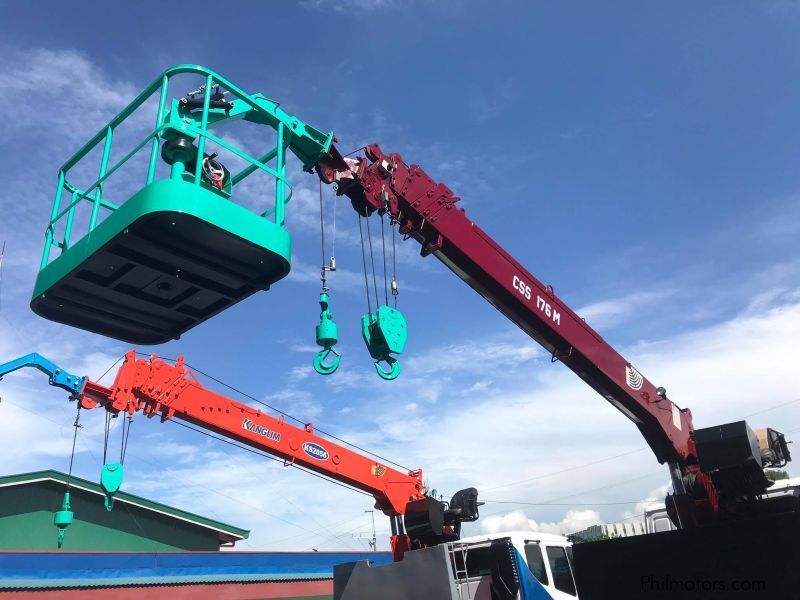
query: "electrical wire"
562, 503
567, 470
288, 416
758, 412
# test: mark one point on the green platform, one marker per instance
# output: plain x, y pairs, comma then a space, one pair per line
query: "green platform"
169, 258
148, 267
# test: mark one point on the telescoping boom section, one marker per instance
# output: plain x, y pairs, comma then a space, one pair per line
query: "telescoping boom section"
156, 388
716, 470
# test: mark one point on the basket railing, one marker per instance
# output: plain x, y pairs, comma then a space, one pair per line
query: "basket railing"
94, 193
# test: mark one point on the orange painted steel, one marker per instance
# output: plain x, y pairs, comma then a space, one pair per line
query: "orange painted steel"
157, 388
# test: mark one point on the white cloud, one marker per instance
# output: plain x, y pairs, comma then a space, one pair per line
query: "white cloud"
475, 414
349, 6
606, 313
517, 520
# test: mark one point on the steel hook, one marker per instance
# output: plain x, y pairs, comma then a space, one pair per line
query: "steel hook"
326, 368
394, 368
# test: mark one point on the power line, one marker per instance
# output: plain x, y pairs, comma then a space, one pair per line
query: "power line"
567, 470
602, 460
553, 501
758, 412
563, 503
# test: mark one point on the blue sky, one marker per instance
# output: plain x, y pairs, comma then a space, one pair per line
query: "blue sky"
641, 158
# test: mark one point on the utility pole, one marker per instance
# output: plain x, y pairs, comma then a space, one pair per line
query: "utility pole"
374, 543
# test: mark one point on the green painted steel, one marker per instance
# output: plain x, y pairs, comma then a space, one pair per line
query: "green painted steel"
167, 195
159, 200
137, 524
189, 121
63, 518
110, 481
327, 337
304, 141
385, 333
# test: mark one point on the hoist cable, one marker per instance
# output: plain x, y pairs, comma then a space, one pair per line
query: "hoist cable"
122, 442
126, 434
354, 151
364, 260
385, 281
333, 241
76, 425
322, 237
394, 263
107, 429
372, 260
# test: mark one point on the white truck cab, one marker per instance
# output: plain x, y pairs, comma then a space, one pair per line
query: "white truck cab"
548, 557
515, 565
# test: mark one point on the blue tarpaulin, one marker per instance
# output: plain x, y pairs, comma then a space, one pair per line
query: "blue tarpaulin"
529, 586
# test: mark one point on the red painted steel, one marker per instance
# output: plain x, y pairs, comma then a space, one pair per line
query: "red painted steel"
427, 211
157, 388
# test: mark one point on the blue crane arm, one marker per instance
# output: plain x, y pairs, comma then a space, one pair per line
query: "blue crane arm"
58, 377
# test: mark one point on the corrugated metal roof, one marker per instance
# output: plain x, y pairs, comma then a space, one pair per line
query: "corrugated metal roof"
27, 584
71, 570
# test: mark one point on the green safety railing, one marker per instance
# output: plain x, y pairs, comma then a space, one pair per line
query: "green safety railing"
307, 143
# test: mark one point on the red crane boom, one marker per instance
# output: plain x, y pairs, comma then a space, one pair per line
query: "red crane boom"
427, 211
155, 387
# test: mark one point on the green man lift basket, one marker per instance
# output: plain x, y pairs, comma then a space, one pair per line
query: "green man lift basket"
179, 250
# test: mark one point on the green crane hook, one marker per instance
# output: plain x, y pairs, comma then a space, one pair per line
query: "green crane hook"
63, 518
326, 360
385, 333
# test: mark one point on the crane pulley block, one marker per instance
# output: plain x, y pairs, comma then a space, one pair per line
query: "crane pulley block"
385, 333
110, 482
